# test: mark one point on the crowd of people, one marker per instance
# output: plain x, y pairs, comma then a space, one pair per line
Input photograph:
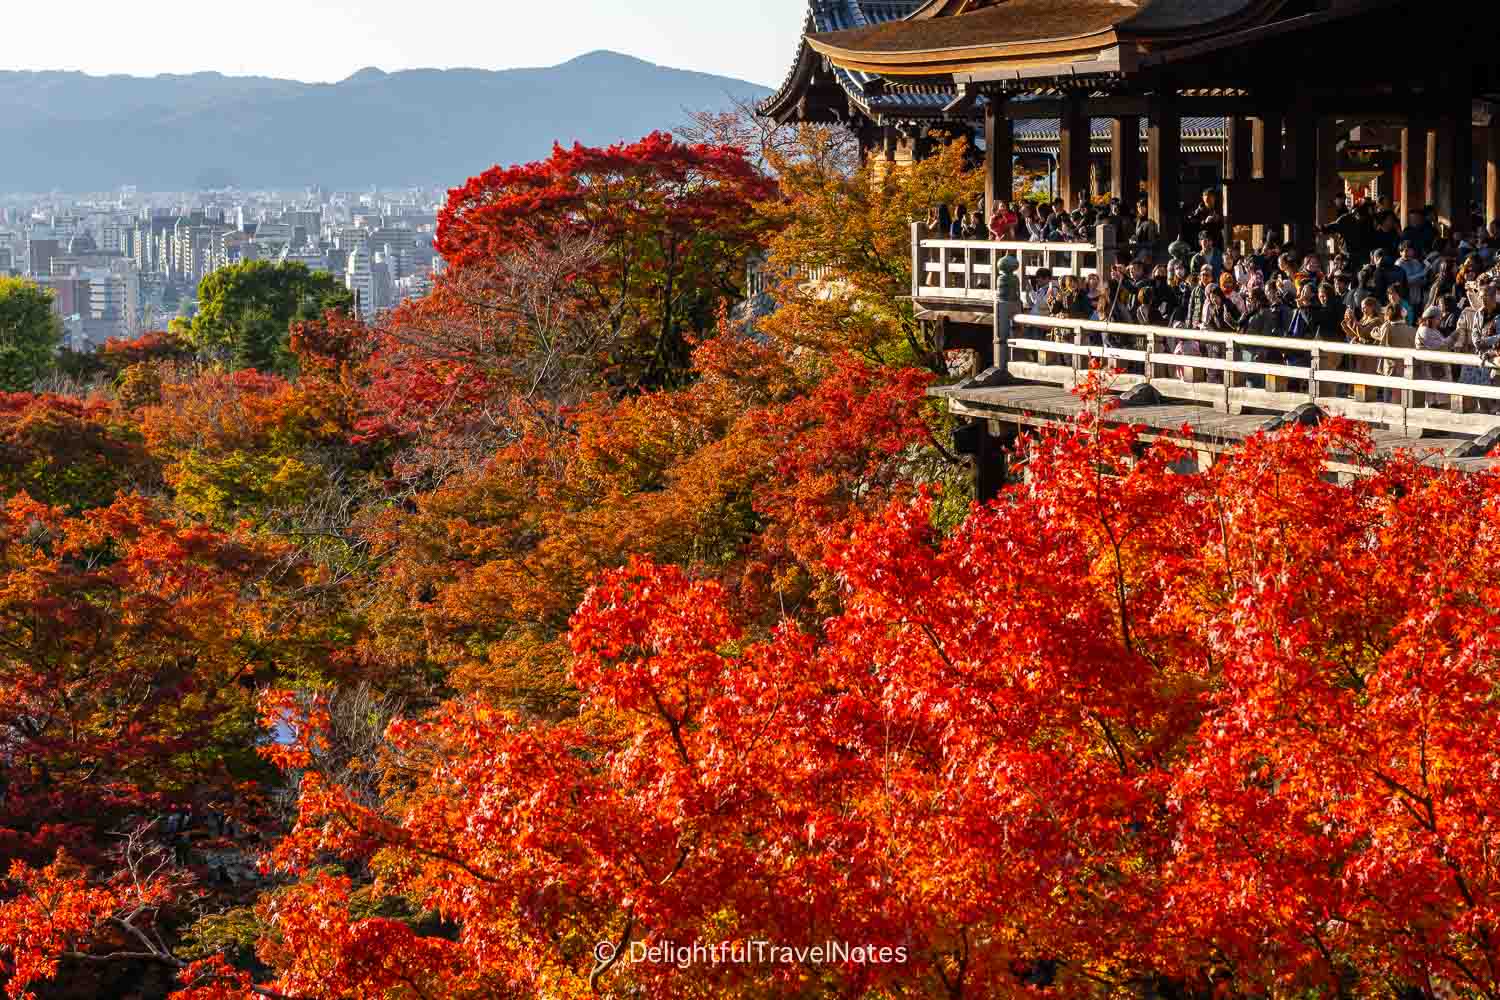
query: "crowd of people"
1364, 278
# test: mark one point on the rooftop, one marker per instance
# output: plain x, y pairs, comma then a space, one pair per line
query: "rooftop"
861, 89
1035, 37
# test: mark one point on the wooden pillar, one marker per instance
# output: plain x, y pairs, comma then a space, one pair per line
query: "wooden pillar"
1238, 166
1491, 149
1073, 153
990, 465
1239, 162
1125, 159
988, 445
1266, 141
1164, 163
1266, 160
1413, 193
999, 155
922, 144
1451, 168
1330, 184
1492, 173
1461, 196
1385, 184
892, 143
1435, 150
1302, 164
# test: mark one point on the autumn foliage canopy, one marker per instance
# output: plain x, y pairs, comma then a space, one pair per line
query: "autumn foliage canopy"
558, 625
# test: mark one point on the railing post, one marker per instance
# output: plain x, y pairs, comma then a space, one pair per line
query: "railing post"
1231, 377
1411, 398
1078, 357
1106, 239
1007, 292
1463, 404
1150, 355
943, 263
918, 264
1314, 389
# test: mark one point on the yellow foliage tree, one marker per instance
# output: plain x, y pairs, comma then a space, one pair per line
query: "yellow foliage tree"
852, 231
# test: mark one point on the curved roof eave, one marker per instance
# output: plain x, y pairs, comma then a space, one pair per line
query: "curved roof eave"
1044, 46
784, 100
863, 94
1098, 54
1010, 37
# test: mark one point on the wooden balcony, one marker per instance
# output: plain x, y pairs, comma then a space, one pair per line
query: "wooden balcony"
1215, 368
965, 272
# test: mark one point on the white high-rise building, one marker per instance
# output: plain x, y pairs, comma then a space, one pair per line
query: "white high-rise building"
114, 300
359, 279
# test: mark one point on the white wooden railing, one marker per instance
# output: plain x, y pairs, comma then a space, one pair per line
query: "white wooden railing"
1058, 350
968, 269
759, 279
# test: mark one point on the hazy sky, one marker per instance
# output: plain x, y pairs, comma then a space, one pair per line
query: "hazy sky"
326, 40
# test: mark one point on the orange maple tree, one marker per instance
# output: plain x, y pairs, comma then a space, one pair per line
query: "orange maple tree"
131, 654
555, 627
1125, 730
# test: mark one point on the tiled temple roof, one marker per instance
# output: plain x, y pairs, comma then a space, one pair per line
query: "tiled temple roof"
864, 91
876, 98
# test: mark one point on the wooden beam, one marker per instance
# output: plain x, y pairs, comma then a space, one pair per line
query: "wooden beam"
1098, 107
1163, 164
999, 156
1413, 191
1125, 158
1387, 108
962, 104
1073, 152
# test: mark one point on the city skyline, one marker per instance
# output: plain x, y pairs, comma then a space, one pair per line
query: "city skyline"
325, 41
118, 268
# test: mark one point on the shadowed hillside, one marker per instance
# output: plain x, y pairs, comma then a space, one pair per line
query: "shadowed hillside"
70, 131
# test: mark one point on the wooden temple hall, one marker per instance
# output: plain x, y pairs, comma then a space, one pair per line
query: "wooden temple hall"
1286, 102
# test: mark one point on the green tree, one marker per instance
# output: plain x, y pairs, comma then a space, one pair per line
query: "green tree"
30, 334
247, 310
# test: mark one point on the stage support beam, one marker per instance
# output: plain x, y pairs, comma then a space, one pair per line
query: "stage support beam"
1125, 159
1164, 165
999, 156
1073, 153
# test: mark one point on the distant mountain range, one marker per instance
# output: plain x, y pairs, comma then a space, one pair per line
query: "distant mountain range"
74, 132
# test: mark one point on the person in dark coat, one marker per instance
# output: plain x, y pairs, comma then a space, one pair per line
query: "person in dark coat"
944, 222
1328, 317
1387, 237
1205, 216
1419, 232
